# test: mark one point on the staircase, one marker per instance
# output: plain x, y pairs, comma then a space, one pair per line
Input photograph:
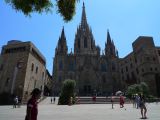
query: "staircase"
99, 100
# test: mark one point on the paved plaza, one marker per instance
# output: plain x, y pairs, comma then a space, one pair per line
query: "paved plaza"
82, 112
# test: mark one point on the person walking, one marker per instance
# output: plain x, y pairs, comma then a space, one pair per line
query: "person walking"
32, 105
143, 106
112, 100
54, 99
137, 99
121, 101
51, 100
15, 102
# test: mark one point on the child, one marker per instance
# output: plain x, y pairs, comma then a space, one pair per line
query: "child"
32, 105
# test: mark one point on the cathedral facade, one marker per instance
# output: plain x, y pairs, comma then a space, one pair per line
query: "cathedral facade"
93, 72
106, 73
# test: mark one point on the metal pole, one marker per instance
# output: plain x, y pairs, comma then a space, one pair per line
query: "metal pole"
14, 79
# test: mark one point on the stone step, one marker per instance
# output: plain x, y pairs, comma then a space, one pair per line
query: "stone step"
99, 100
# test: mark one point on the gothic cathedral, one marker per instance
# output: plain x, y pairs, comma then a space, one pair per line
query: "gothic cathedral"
93, 72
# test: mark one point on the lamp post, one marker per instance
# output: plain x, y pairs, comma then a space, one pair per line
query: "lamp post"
18, 66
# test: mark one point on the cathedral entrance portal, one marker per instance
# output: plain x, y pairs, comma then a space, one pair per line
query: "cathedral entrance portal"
87, 90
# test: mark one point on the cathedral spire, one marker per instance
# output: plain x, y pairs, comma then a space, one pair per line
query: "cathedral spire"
109, 46
108, 38
62, 44
63, 37
83, 19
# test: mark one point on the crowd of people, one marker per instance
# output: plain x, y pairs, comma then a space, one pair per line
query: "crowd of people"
32, 104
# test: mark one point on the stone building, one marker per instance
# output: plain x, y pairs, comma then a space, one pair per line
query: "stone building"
22, 68
48, 84
93, 72
105, 73
142, 65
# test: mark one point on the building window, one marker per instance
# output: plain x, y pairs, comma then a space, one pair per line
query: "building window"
128, 77
113, 66
1, 67
159, 52
32, 67
142, 70
59, 78
156, 69
151, 69
7, 82
137, 70
131, 65
71, 66
85, 42
122, 77
36, 70
133, 76
154, 59
42, 75
60, 65
122, 70
103, 67
135, 60
104, 79
130, 59
148, 59
14, 50
78, 43
126, 69
35, 82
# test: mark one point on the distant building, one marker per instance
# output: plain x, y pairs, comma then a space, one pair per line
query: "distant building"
22, 68
48, 84
104, 73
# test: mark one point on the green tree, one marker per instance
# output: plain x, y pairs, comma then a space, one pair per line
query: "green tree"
141, 88
68, 91
66, 8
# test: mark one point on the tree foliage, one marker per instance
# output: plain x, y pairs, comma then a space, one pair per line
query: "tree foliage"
141, 88
66, 8
68, 91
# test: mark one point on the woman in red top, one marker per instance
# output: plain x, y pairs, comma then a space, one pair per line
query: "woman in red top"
121, 101
32, 105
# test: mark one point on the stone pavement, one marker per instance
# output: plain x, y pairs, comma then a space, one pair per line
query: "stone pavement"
82, 112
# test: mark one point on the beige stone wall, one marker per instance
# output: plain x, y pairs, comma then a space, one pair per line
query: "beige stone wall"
26, 79
34, 79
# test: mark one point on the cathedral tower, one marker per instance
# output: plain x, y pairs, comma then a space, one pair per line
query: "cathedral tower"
84, 41
62, 48
110, 50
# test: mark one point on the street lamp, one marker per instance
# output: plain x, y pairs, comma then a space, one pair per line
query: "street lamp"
18, 66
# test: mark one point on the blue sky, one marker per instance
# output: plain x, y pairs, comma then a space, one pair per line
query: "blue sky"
125, 19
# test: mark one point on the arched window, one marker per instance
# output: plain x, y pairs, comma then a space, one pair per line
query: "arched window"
60, 65
85, 42
78, 43
103, 79
114, 67
71, 66
36, 69
103, 67
32, 67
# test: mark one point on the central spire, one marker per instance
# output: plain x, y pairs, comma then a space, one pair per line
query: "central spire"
83, 19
